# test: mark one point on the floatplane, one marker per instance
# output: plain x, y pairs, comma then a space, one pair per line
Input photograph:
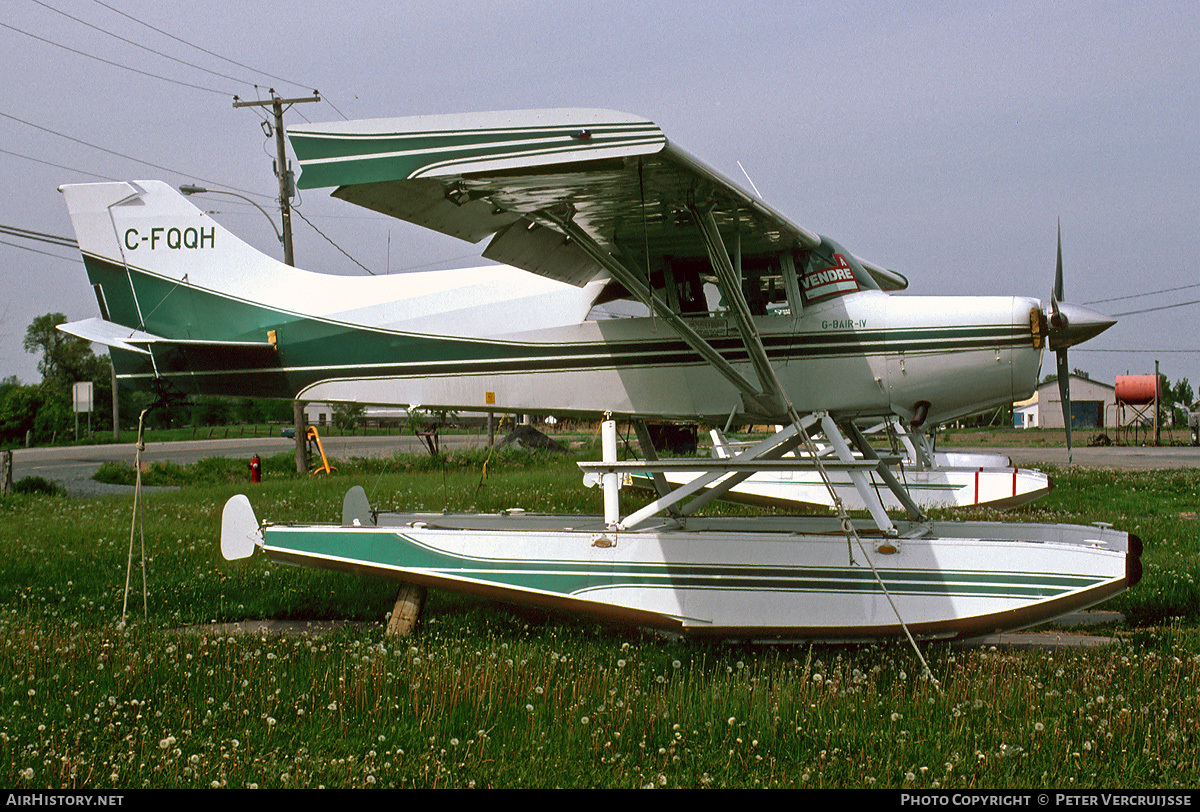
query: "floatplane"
933, 479
747, 316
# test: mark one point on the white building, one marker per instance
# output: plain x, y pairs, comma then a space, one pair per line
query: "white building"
1093, 405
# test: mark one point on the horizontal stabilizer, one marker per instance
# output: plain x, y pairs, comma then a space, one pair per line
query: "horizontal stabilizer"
110, 334
194, 354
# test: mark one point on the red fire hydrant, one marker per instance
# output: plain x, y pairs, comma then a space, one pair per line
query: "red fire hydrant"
255, 469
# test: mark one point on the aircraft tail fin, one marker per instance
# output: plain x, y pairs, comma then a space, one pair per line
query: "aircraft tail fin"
149, 251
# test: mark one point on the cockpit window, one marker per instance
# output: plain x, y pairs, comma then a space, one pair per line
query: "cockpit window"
828, 271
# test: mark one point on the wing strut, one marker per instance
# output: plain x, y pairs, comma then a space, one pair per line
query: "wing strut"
638, 288
771, 392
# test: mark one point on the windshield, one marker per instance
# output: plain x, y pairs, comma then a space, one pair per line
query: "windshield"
830, 270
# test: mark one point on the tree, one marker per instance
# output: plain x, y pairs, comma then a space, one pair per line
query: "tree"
1177, 400
1184, 393
347, 415
18, 407
65, 358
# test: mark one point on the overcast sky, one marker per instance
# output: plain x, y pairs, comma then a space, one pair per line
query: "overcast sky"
943, 140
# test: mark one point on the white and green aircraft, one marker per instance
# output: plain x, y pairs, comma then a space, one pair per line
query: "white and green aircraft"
747, 316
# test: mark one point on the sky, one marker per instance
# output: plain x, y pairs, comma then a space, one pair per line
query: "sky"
942, 140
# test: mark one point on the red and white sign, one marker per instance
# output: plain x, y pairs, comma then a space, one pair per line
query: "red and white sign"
820, 283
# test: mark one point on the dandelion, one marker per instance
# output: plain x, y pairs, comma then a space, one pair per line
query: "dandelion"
27, 773
1039, 727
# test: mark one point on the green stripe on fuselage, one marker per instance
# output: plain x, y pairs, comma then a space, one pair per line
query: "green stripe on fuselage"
311, 349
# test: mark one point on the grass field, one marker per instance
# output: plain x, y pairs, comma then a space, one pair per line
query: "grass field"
489, 695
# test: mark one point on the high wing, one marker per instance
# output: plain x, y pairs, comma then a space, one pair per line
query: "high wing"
521, 177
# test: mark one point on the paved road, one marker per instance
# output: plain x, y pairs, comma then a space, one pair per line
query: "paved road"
73, 466
1128, 458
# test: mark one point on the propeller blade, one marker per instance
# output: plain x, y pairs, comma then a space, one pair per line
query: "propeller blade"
1059, 291
1064, 390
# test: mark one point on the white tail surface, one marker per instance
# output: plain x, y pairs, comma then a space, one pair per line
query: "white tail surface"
239, 529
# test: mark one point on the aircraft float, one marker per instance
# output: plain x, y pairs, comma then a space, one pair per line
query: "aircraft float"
933, 479
748, 317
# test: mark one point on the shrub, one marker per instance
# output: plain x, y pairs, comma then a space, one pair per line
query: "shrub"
37, 484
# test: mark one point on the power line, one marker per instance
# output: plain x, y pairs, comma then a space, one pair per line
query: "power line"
1153, 309
143, 47
127, 157
1140, 295
39, 251
440, 262
1173, 352
40, 236
114, 64
331, 242
197, 47
57, 166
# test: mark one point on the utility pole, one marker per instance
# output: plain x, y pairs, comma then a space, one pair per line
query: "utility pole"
284, 175
116, 404
1157, 406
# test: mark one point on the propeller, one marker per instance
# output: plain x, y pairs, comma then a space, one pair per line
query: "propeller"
1069, 325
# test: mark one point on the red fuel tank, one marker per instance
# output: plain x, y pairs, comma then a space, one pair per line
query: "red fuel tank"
1137, 389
